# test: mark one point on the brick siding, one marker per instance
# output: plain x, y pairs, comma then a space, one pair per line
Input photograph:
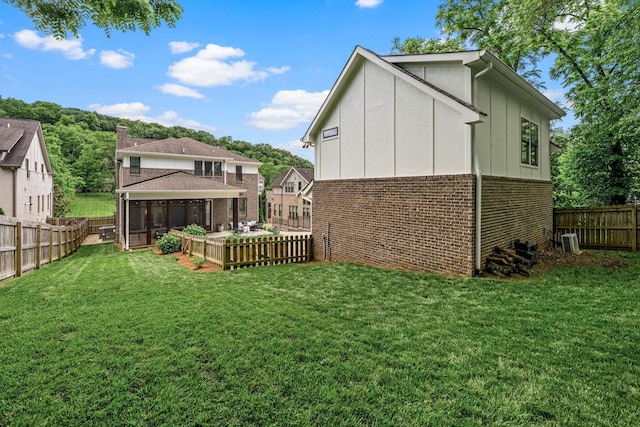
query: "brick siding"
515, 209
413, 223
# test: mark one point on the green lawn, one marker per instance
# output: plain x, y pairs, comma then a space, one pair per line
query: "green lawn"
92, 205
111, 338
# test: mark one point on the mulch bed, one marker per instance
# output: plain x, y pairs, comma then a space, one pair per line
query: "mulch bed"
549, 259
185, 261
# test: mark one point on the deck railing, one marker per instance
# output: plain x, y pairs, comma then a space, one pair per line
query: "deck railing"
233, 253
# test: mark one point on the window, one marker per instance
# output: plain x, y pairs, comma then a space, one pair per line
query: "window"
35, 167
30, 203
329, 133
42, 170
26, 166
197, 166
238, 173
208, 168
299, 185
288, 187
306, 211
217, 168
242, 207
293, 212
135, 165
528, 142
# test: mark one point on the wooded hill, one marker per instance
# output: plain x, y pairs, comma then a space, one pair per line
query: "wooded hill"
81, 144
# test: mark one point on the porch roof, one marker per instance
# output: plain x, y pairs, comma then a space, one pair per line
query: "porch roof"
179, 185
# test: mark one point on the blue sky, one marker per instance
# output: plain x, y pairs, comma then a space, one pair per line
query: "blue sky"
254, 70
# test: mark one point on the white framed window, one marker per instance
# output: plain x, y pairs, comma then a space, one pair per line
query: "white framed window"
529, 142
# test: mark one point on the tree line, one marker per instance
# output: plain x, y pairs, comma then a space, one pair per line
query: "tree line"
81, 146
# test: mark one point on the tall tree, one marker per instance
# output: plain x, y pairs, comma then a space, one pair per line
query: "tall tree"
61, 17
596, 51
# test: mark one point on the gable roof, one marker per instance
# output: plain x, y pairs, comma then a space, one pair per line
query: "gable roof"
469, 112
277, 181
481, 59
305, 173
179, 147
16, 137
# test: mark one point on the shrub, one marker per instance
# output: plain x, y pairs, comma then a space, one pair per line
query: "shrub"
1, 211
198, 261
169, 243
194, 230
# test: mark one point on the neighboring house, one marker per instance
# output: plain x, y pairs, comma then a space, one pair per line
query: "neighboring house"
288, 203
427, 162
169, 183
26, 178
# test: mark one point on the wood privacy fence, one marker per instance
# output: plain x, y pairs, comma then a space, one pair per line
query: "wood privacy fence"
93, 224
602, 227
231, 254
26, 246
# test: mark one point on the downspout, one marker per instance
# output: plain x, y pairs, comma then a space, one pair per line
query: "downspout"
126, 225
15, 192
478, 174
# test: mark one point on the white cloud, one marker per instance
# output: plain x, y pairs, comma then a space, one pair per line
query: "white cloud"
554, 94
119, 59
288, 109
182, 47
211, 67
368, 3
71, 49
296, 147
138, 111
179, 90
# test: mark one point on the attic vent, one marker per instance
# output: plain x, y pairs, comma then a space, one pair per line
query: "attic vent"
570, 243
330, 133
183, 150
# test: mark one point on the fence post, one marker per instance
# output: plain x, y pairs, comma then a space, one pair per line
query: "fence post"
634, 228
18, 249
38, 236
50, 245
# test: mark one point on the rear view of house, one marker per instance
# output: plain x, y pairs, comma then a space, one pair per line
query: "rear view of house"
426, 162
26, 177
170, 183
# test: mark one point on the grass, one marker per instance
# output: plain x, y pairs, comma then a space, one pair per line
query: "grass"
111, 338
92, 205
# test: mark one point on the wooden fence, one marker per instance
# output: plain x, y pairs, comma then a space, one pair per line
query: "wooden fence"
26, 246
231, 254
602, 227
93, 224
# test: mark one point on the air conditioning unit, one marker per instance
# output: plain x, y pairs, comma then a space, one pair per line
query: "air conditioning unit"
570, 243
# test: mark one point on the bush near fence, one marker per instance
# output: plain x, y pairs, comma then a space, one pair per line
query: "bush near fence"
600, 227
243, 252
27, 245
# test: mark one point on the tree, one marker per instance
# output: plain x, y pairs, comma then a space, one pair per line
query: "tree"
61, 17
60, 202
596, 54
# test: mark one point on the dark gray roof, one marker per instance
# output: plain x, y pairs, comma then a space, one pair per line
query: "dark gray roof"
307, 173
16, 137
277, 182
179, 181
180, 146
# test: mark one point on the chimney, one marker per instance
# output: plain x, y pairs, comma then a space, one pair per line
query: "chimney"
121, 137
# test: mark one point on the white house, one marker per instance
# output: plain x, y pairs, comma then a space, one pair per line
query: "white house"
26, 177
426, 162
